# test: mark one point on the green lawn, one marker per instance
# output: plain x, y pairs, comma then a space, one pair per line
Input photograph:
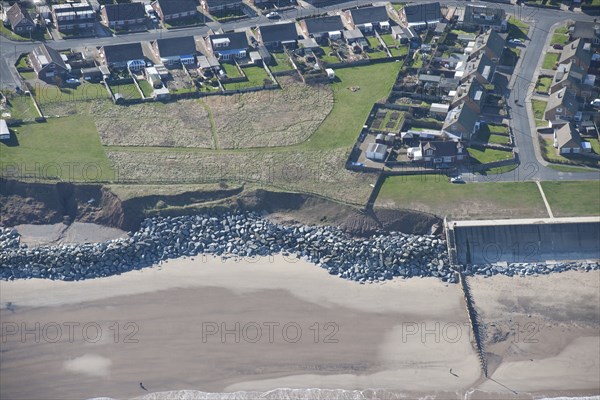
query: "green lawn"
539, 106
373, 42
256, 78
550, 61
28, 76
489, 155
146, 87
21, 107
517, 29
559, 38
128, 91
398, 51
85, 91
22, 62
595, 145
351, 109
418, 61
7, 33
563, 30
574, 198
491, 133
434, 194
329, 56
566, 168
231, 70
389, 40
282, 63
540, 123
543, 84
67, 147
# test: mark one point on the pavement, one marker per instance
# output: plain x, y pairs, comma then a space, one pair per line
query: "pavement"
531, 167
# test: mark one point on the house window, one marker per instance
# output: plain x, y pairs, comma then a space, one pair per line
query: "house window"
559, 110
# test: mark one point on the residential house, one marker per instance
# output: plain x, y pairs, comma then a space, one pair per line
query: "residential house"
221, 6
404, 35
461, 122
229, 45
19, 20
575, 52
567, 140
175, 10
175, 51
276, 36
569, 76
586, 30
421, 16
122, 15
471, 92
48, 63
440, 28
355, 38
562, 105
482, 68
74, 17
479, 16
121, 56
265, 4
368, 18
491, 43
443, 152
323, 27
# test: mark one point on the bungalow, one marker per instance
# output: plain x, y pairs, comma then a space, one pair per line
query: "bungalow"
442, 152
461, 122
421, 16
568, 76
479, 16
323, 27
121, 56
587, 30
404, 35
368, 18
4, 131
575, 52
278, 35
48, 63
220, 6
19, 19
73, 17
567, 140
355, 38
174, 10
229, 45
121, 15
175, 51
562, 105
482, 69
491, 43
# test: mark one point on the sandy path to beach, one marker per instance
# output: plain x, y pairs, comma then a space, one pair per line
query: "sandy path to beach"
352, 336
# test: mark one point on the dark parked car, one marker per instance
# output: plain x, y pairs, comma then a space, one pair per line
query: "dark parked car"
558, 46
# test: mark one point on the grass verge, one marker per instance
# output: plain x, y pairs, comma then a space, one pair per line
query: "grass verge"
574, 198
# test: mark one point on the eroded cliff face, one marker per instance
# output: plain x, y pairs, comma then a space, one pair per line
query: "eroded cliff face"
48, 203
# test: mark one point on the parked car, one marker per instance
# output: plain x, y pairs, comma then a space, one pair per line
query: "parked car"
595, 103
515, 41
273, 15
72, 81
558, 46
457, 179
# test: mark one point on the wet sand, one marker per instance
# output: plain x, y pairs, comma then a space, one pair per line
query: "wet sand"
165, 327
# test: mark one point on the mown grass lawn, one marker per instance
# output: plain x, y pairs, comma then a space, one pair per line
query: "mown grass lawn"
573, 198
68, 148
282, 63
256, 78
434, 194
539, 106
328, 56
21, 107
146, 87
231, 70
563, 30
489, 155
543, 84
350, 110
517, 29
550, 61
399, 51
559, 38
85, 91
128, 91
595, 145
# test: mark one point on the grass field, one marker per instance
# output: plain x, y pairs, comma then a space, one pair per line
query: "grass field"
434, 194
543, 84
21, 107
53, 94
351, 109
128, 91
550, 61
539, 106
489, 155
68, 148
575, 198
256, 78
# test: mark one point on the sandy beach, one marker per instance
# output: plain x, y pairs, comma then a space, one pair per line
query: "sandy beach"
204, 324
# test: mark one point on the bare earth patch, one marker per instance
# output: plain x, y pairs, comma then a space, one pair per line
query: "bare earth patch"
181, 124
272, 117
320, 172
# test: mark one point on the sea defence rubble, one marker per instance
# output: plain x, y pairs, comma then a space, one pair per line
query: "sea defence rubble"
248, 235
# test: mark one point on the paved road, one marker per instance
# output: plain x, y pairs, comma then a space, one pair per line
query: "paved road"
542, 20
